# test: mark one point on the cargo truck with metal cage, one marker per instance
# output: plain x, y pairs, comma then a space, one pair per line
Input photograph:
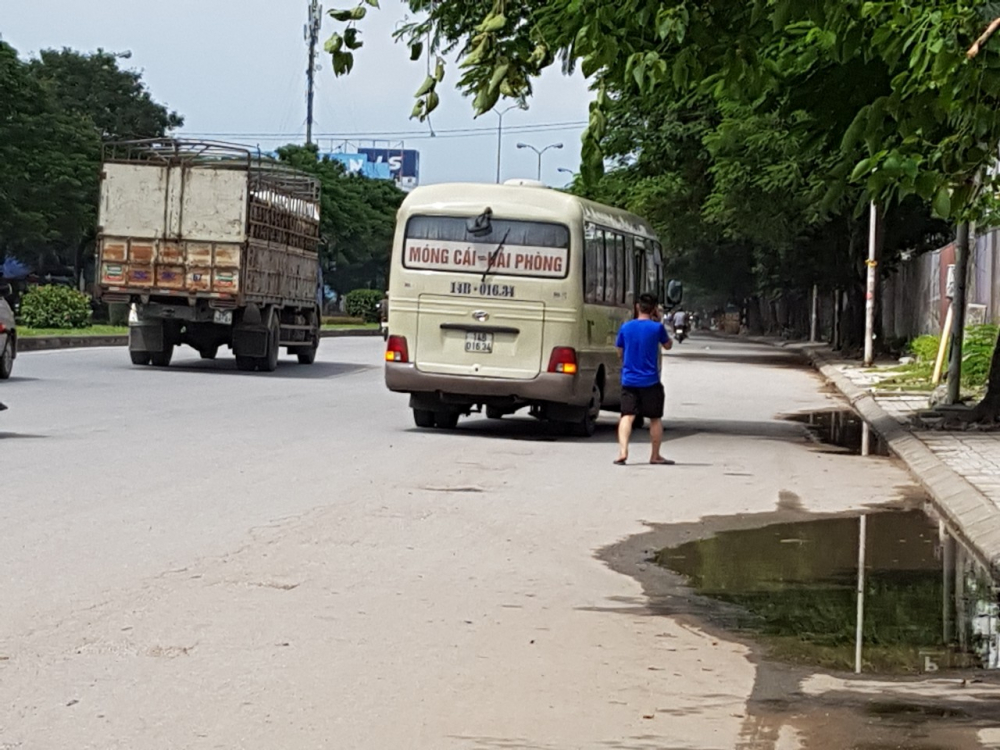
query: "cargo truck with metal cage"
211, 245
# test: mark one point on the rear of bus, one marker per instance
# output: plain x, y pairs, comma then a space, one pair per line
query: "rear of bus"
485, 290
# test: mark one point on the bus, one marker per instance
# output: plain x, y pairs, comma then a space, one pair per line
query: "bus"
505, 297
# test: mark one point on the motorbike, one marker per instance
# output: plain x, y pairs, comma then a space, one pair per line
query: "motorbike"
680, 333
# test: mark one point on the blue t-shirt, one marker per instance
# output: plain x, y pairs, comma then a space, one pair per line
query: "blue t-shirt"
641, 340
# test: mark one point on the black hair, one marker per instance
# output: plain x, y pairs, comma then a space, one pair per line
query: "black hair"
648, 303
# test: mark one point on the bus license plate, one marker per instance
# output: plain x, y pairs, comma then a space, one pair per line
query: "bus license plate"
479, 342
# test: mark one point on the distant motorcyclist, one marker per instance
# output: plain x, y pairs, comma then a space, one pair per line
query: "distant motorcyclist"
680, 322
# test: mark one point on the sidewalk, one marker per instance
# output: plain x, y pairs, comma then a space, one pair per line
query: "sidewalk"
960, 470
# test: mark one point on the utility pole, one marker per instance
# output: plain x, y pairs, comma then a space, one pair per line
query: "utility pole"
870, 288
958, 318
312, 37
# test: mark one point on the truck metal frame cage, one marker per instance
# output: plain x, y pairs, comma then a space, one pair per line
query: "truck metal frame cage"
284, 203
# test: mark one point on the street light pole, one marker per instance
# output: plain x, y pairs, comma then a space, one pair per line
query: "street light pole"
500, 114
870, 287
539, 152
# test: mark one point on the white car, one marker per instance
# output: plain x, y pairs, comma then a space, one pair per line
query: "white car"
8, 337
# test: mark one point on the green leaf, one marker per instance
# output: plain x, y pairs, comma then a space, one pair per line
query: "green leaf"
863, 167
357, 14
942, 202
416, 50
499, 74
334, 43
439, 70
926, 184
857, 127
340, 15
432, 102
351, 40
373, 3
426, 87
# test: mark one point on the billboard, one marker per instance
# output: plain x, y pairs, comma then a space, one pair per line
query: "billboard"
361, 164
404, 164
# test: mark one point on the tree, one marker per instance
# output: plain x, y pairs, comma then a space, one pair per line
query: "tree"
94, 86
47, 167
884, 100
357, 220
54, 112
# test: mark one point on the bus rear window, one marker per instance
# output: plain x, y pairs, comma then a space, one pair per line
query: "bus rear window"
530, 248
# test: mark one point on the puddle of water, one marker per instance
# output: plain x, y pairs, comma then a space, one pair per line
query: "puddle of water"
842, 429
928, 605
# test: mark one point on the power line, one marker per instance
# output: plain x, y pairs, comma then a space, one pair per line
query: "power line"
383, 134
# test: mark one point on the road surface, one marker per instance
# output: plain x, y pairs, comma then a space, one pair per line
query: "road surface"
202, 558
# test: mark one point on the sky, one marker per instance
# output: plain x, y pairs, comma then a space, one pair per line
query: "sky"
235, 69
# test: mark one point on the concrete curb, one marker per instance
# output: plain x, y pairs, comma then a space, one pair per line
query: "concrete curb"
48, 343
967, 510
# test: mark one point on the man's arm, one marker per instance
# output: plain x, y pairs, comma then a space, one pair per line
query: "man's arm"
665, 341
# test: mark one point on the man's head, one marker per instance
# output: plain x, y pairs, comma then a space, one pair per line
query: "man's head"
648, 303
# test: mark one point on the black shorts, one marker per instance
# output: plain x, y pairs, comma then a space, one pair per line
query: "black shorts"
643, 402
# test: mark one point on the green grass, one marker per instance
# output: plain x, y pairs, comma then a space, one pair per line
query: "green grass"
95, 330
349, 326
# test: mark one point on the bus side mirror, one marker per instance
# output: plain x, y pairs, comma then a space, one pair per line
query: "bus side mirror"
675, 292
480, 225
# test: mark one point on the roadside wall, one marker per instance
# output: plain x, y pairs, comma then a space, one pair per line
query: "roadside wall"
914, 297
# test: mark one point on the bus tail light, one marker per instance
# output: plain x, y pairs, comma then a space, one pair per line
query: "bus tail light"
396, 350
563, 360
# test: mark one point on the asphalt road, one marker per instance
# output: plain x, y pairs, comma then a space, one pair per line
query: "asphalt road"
202, 558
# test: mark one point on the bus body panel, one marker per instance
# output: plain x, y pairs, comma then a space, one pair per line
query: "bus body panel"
482, 338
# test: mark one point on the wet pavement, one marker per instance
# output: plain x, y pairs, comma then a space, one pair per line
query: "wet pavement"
786, 582
842, 430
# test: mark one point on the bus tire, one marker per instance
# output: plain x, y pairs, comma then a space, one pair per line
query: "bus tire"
495, 412
446, 420
209, 352
587, 425
423, 418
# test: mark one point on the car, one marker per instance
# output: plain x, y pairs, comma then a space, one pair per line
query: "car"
8, 335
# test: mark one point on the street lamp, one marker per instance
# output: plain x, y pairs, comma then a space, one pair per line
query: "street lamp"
570, 172
500, 114
528, 145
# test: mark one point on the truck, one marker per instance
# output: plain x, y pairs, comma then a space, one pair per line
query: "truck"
210, 245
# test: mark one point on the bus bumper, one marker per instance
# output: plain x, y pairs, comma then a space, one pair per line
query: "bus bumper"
428, 388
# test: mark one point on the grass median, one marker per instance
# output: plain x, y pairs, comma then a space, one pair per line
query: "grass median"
106, 330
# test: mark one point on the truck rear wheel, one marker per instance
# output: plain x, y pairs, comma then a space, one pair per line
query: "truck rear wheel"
162, 358
139, 358
269, 362
209, 352
246, 364
307, 354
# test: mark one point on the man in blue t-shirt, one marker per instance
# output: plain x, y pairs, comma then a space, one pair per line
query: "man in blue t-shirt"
639, 343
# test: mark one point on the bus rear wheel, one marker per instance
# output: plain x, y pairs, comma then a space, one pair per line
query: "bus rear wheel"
587, 425
423, 418
446, 420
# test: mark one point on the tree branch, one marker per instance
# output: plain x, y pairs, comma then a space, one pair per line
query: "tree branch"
974, 49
